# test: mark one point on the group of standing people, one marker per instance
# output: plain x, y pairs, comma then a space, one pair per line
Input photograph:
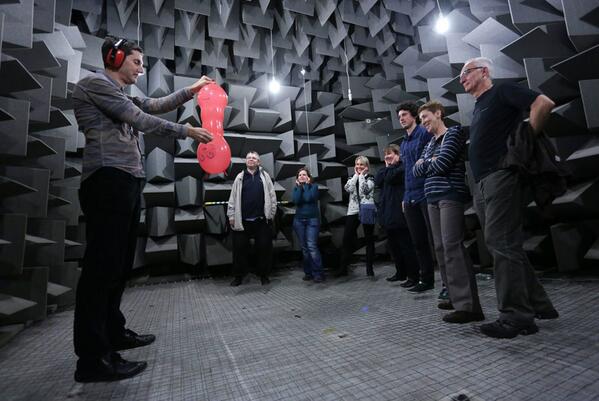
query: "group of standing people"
423, 194
422, 188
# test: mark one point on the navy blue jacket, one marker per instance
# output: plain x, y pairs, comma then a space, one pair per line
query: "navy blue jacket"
390, 181
411, 150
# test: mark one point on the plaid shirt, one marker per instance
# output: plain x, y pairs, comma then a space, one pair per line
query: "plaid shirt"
112, 121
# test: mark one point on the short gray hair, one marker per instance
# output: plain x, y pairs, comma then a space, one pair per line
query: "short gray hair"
253, 152
482, 62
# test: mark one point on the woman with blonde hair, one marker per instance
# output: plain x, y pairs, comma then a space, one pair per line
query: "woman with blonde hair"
361, 210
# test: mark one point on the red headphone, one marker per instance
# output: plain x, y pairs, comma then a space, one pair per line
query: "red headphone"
116, 56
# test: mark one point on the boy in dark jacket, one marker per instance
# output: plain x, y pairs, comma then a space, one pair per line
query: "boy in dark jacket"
390, 181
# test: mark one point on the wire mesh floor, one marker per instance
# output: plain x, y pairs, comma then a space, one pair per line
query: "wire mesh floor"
346, 339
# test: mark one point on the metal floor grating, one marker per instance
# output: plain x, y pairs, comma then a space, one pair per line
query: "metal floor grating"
347, 339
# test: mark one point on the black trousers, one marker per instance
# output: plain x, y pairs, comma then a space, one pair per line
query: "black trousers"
352, 222
400, 246
261, 231
417, 218
110, 200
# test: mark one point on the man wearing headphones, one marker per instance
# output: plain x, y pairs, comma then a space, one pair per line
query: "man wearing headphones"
111, 185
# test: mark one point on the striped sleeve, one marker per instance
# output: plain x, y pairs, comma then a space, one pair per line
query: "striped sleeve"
450, 151
420, 169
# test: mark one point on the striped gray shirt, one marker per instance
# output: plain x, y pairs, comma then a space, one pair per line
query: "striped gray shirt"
112, 121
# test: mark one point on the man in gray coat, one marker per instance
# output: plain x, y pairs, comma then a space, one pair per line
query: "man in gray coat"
252, 206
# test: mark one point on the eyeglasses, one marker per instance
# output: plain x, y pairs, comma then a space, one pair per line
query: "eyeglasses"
468, 71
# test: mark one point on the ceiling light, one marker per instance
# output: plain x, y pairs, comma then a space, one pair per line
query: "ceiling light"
274, 86
442, 24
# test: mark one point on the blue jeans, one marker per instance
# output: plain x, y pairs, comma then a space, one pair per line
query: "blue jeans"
307, 230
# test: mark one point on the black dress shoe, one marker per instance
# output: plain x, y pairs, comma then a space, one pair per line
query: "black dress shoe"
421, 287
462, 316
107, 369
395, 277
446, 305
552, 314
133, 340
264, 280
236, 281
409, 283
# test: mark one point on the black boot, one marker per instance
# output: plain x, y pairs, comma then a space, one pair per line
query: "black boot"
369, 271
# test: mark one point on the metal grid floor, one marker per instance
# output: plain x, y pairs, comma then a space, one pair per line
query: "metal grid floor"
347, 339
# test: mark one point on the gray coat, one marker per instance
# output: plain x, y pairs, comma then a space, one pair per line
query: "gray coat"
234, 207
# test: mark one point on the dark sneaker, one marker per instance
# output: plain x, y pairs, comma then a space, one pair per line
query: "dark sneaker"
552, 314
409, 283
421, 287
107, 369
369, 271
236, 281
318, 279
395, 277
307, 277
445, 305
131, 339
461, 316
264, 280
506, 329
443, 295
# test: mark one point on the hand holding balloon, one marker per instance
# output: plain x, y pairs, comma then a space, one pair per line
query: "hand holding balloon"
199, 134
200, 83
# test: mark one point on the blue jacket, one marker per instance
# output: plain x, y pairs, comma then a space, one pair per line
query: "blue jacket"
305, 198
444, 167
390, 180
411, 149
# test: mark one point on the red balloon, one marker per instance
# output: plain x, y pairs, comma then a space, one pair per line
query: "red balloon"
215, 156
212, 100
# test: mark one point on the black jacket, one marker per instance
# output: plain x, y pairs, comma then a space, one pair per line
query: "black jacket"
390, 181
535, 157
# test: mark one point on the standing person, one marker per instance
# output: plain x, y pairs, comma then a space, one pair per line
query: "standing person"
497, 112
443, 165
390, 181
111, 184
252, 207
306, 224
414, 200
361, 206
